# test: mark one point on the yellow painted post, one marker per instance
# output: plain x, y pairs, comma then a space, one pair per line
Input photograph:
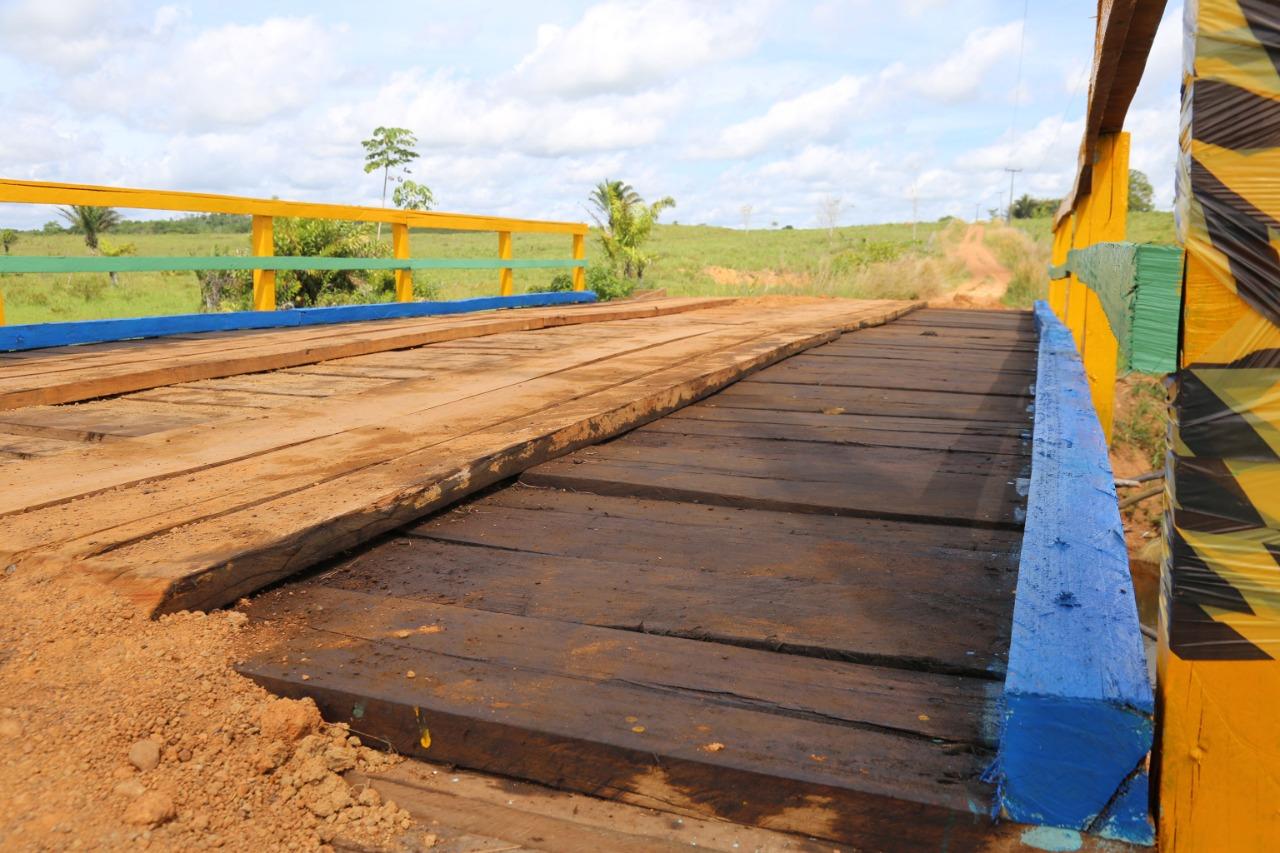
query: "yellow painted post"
1, 308
1108, 210
1061, 246
507, 280
400, 248
262, 243
579, 274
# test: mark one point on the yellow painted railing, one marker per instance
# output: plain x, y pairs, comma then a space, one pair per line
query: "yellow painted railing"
265, 211
1098, 217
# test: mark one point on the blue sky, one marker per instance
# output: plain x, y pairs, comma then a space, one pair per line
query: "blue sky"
521, 107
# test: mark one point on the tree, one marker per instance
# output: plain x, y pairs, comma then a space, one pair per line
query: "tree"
389, 148
1027, 207
7, 238
1141, 193
410, 195
92, 222
625, 223
602, 197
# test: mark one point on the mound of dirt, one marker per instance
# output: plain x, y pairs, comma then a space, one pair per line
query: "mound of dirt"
121, 733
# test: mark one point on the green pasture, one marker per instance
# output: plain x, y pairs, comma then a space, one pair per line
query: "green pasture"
870, 261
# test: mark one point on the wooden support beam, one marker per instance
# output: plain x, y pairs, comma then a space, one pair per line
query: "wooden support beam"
262, 243
400, 248
1077, 725
506, 279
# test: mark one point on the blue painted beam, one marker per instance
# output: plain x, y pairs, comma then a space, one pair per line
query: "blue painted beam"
40, 335
1076, 722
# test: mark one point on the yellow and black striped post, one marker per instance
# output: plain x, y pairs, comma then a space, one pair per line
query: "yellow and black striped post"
1219, 676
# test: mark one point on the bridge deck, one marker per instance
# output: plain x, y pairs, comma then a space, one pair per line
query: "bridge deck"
787, 605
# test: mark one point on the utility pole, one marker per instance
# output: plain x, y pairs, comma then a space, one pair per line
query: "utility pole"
1008, 219
977, 207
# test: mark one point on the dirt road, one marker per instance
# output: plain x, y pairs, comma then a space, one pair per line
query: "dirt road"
988, 278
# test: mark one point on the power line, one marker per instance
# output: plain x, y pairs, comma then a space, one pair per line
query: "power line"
1017, 85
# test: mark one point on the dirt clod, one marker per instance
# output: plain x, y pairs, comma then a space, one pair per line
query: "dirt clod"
289, 719
145, 755
150, 809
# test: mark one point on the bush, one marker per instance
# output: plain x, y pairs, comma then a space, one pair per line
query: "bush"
222, 290
602, 280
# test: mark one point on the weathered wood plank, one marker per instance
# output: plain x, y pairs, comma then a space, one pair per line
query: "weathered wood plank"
867, 431
105, 379
923, 705
939, 497
806, 603
464, 809
890, 402
837, 782
816, 370
228, 527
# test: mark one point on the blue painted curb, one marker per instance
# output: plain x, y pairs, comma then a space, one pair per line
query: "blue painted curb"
39, 335
1076, 721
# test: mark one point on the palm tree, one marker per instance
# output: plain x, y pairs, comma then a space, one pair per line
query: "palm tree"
625, 223
92, 222
602, 197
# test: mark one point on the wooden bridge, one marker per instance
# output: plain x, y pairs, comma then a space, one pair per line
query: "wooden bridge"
735, 560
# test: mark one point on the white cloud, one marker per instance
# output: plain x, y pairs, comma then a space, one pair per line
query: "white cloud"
445, 110
624, 47
960, 76
66, 34
229, 76
811, 116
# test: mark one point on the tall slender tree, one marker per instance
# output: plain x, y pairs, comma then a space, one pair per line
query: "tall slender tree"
390, 148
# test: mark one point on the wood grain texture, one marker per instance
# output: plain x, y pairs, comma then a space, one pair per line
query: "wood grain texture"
197, 517
1078, 707
694, 637
60, 377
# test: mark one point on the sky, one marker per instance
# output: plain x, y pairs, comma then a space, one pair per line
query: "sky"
520, 108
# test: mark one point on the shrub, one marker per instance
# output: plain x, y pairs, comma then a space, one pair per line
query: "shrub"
603, 280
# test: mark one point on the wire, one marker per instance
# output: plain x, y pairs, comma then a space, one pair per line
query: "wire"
1062, 119
1017, 85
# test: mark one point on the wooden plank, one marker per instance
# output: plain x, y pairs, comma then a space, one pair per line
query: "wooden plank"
1078, 702
920, 496
615, 739
777, 396
111, 379
995, 361
774, 600
785, 460
290, 384
829, 372
464, 808
211, 536
923, 705
299, 420
868, 431
18, 446
105, 419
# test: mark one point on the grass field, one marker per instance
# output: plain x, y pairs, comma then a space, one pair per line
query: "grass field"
874, 261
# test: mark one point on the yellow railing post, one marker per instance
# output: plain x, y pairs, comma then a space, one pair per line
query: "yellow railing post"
1108, 207
579, 274
507, 280
400, 248
1061, 248
262, 243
